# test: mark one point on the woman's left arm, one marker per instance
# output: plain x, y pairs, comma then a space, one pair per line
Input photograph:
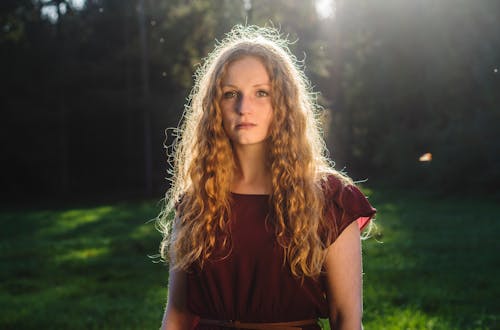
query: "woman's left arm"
344, 277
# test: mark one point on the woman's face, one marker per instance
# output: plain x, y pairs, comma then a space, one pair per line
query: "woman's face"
246, 102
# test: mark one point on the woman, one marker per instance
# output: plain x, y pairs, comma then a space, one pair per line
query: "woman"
266, 233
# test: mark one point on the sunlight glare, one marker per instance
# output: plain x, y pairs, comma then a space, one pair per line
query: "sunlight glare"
77, 4
49, 10
325, 8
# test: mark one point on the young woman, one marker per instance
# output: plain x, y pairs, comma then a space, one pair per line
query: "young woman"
266, 233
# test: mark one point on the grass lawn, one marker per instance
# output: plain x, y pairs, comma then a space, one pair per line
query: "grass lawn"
437, 265
434, 266
81, 268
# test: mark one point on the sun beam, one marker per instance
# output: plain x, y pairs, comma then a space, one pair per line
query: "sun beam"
325, 8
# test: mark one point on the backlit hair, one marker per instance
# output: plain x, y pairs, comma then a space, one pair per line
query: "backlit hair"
203, 161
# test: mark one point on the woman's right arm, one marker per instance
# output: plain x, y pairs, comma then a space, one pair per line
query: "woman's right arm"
176, 316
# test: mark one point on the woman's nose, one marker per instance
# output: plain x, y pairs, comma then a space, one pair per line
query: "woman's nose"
244, 105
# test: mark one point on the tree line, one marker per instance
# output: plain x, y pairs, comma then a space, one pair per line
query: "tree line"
88, 91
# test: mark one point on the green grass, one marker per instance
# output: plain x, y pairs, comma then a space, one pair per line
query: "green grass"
434, 266
437, 265
83, 268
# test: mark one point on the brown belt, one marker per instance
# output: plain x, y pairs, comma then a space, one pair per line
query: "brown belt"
294, 325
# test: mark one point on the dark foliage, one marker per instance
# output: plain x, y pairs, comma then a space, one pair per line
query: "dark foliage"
84, 92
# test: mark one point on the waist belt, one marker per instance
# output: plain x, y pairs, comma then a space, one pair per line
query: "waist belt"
293, 325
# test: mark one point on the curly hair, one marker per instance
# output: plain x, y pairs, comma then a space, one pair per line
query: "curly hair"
203, 161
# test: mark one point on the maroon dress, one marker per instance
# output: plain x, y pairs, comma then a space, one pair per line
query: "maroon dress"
251, 284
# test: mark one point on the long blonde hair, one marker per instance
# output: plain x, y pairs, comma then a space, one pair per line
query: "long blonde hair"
203, 161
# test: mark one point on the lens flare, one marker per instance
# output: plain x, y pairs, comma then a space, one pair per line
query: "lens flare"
427, 157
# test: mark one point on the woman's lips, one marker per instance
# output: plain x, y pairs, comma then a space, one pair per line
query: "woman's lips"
245, 125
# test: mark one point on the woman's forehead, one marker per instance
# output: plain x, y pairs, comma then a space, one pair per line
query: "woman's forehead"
247, 71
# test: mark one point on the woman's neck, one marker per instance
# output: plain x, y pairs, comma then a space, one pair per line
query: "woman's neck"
252, 174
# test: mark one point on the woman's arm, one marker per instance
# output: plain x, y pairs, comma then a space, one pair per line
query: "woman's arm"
176, 316
344, 289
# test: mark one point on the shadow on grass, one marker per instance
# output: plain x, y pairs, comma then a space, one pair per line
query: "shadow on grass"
81, 269
436, 267
88, 268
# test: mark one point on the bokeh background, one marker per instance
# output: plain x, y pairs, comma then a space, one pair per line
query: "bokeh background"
89, 87
411, 97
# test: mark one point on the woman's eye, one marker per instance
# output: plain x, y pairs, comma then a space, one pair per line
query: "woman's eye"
230, 95
262, 93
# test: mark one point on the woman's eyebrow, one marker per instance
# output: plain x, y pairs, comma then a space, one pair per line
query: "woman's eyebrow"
256, 85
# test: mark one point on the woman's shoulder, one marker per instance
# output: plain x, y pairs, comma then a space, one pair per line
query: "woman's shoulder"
346, 200
334, 183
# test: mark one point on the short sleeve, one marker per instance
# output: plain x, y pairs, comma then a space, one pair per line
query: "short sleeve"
346, 204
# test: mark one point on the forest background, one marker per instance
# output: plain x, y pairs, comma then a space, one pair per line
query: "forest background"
90, 87
411, 97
